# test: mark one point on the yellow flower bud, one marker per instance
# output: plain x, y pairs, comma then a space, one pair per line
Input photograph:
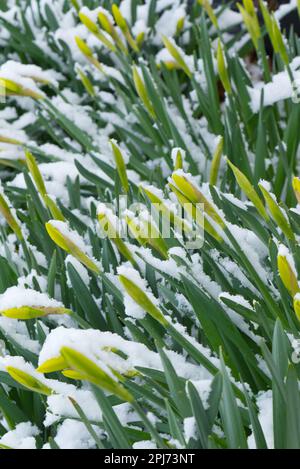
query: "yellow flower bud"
5, 210
30, 382
296, 187
222, 69
110, 228
215, 164
91, 372
86, 82
141, 91
32, 312
297, 305
61, 236
276, 212
52, 365
249, 190
35, 173
142, 298
119, 18
287, 273
193, 194
120, 163
195, 213
176, 54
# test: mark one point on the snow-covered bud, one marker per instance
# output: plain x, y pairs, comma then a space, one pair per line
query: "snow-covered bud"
7, 213
120, 164
93, 28
142, 91
88, 370
70, 242
86, 82
10, 87
177, 55
296, 187
276, 211
87, 52
21, 303
222, 69
110, 225
297, 305
251, 21
35, 173
28, 381
248, 189
121, 22
215, 163
287, 270
194, 195
136, 288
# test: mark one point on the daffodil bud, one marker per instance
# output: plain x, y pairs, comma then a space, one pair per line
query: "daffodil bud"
146, 232
276, 212
267, 18
297, 305
54, 209
142, 91
195, 213
28, 381
70, 242
178, 155
121, 22
119, 18
93, 28
215, 164
177, 55
7, 213
110, 225
87, 52
249, 190
210, 12
11, 141
251, 22
35, 173
86, 82
135, 287
140, 39
298, 7
52, 364
194, 195
108, 26
287, 271
296, 187
180, 25
91, 372
9, 87
21, 303
222, 69
120, 163
278, 42
163, 206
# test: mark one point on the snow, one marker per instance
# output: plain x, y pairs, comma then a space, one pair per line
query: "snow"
72, 434
280, 88
16, 297
190, 428
22, 437
265, 416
